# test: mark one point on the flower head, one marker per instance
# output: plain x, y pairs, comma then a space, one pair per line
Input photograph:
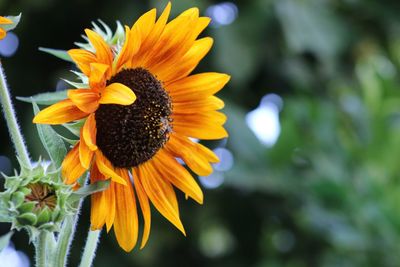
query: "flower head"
141, 107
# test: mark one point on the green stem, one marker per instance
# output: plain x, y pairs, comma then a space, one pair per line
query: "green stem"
40, 247
90, 248
65, 238
11, 120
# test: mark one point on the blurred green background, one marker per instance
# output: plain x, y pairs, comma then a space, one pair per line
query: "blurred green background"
309, 175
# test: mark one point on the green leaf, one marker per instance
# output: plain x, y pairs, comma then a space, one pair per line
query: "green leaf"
5, 240
62, 54
75, 127
51, 141
15, 20
45, 98
89, 189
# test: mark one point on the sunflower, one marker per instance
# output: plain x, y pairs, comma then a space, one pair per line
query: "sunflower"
4, 21
142, 109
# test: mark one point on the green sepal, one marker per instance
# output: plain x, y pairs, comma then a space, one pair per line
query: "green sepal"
27, 207
88, 190
61, 54
27, 219
5, 240
44, 216
15, 20
45, 98
18, 198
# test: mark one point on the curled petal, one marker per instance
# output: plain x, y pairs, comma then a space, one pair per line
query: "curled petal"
59, 113
117, 93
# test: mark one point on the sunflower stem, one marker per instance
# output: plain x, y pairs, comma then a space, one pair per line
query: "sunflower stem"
40, 249
11, 120
90, 248
65, 238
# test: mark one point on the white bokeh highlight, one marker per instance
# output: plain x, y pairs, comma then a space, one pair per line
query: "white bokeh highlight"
264, 120
222, 14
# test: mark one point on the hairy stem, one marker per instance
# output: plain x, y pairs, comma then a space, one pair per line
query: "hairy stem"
40, 249
90, 248
11, 120
65, 238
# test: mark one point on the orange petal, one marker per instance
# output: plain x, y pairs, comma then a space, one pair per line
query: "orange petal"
149, 41
106, 169
155, 191
3, 33
4, 20
89, 131
85, 154
198, 106
59, 113
117, 93
111, 206
187, 150
188, 62
86, 100
203, 126
126, 218
103, 51
144, 205
99, 207
197, 86
174, 42
131, 46
82, 59
97, 79
178, 175
71, 168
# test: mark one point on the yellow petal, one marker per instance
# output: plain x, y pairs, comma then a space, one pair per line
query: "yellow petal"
144, 205
85, 99
59, 113
178, 175
155, 191
82, 59
117, 93
197, 86
106, 169
97, 79
103, 51
89, 131
71, 168
126, 218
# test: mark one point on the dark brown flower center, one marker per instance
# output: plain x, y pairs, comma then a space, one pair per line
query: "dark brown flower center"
130, 135
43, 195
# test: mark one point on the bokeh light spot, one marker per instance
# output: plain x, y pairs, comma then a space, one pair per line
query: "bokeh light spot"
9, 45
264, 120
